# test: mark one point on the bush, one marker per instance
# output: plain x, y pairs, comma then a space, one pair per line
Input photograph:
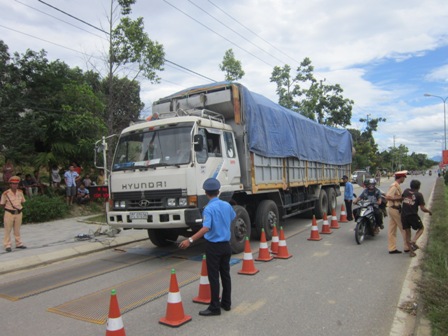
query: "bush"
43, 208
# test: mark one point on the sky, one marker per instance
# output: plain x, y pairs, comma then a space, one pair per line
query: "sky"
385, 54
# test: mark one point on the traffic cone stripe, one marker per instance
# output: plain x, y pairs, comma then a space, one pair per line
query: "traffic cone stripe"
264, 245
204, 280
114, 324
282, 243
275, 239
174, 297
247, 256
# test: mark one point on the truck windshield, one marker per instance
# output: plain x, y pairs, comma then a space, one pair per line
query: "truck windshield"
154, 147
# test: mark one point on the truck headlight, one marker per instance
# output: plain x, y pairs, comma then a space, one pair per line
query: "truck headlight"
183, 202
120, 204
171, 202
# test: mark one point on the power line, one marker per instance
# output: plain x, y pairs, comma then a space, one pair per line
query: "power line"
74, 17
253, 32
56, 18
225, 38
240, 35
80, 20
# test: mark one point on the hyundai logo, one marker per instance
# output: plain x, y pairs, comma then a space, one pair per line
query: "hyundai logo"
144, 203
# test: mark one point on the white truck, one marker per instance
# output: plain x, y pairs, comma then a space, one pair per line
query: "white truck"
272, 164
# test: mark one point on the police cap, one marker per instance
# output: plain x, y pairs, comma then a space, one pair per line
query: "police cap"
211, 184
14, 179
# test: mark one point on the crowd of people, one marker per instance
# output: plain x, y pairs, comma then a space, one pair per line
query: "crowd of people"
75, 183
402, 208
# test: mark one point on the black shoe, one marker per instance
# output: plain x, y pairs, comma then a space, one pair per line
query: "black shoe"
405, 251
226, 308
414, 246
209, 312
8, 249
394, 252
21, 247
382, 226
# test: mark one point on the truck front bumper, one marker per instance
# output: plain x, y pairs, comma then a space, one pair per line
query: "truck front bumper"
161, 219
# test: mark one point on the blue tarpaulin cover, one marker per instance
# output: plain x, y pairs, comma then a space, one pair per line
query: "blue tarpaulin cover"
275, 131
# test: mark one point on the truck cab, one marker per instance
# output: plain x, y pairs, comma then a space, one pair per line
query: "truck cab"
159, 168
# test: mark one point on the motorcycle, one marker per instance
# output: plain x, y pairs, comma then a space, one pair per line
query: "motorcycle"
365, 220
430, 172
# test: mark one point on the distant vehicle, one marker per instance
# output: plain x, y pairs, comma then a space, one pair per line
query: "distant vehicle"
360, 173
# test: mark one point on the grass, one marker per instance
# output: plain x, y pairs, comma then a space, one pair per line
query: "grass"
434, 283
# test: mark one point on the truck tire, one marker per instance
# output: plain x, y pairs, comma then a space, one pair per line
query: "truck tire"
239, 229
266, 217
321, 205
332, 200
162, 237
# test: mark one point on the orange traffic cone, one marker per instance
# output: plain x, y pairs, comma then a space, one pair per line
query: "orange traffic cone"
248, 261
314, 230
175, 316
114, 325
334, 220
343, 215
204, 295
263, 252
282, 248
325, 225
274, 241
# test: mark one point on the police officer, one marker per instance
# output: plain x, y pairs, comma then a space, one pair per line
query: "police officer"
12, 200
217, 217
394, 198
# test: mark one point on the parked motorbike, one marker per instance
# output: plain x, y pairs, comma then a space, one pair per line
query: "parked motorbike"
365, 220
430, 172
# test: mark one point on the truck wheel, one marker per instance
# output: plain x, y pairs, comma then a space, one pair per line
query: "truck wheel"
162, 237
321, 205
332, 200
266, 217
239, 229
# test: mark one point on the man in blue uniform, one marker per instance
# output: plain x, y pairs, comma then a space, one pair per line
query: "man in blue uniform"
348, 197
217, 217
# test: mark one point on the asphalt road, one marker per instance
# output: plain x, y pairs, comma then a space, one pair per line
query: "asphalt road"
329, 287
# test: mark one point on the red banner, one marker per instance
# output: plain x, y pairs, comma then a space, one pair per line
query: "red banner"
99, 192
445, 157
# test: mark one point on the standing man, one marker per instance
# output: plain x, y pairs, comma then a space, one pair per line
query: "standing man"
348, 197
394, 198
217, 217
71, 178
12, 200
412, 200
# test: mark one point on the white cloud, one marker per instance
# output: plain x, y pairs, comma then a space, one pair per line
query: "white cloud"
346, 40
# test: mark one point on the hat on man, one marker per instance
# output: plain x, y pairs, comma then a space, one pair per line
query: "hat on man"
211, 184
14, 179
345, 177
402, 173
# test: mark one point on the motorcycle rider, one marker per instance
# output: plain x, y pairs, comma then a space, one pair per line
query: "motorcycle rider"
372, 194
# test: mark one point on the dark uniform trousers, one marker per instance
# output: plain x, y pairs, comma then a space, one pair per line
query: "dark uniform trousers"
218, 262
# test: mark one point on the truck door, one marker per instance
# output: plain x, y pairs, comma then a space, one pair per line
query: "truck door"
219, 159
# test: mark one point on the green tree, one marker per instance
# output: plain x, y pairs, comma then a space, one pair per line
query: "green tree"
129, 45
50, 112
231, 66
314, 99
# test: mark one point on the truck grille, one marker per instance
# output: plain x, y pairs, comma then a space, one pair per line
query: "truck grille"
146, 200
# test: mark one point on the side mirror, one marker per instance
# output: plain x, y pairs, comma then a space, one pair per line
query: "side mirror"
198, 141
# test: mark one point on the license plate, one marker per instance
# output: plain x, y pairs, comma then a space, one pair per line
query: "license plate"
138, 215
